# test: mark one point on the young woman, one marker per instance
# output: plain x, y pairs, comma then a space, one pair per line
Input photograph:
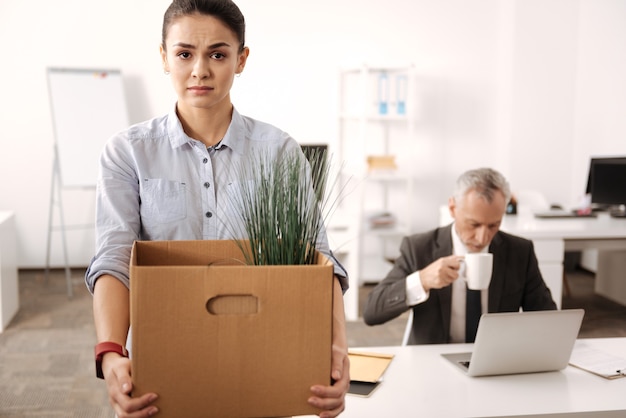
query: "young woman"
168, 178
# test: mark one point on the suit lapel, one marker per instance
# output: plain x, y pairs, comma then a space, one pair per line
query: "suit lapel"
496, 287
444, 249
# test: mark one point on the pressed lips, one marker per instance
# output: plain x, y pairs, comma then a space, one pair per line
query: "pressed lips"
199, 89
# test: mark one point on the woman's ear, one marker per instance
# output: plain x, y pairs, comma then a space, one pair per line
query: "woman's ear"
163, 52
243, 58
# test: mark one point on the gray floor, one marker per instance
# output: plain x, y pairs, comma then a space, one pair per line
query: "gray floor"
46, 354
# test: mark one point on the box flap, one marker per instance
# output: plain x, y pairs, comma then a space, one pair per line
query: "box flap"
195, 253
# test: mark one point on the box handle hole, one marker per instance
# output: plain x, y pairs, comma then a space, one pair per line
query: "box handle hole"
233, 305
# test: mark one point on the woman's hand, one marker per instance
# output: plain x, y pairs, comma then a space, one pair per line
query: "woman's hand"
116, 371
331, 399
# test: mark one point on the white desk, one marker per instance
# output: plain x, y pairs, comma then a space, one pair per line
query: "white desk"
552, 237
9, 295
420, 383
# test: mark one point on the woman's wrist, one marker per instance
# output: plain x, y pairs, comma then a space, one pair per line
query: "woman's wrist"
106, 349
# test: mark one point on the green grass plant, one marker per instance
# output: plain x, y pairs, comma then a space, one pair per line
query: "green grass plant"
282, 216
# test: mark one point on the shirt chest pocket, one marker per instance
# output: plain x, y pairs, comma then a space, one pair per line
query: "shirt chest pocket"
162, 200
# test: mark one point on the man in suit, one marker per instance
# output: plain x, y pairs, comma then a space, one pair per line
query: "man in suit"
425, 277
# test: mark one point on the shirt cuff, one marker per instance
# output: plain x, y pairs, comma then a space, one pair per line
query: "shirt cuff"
415, 292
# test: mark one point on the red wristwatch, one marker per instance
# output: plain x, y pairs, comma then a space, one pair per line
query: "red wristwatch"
107, 347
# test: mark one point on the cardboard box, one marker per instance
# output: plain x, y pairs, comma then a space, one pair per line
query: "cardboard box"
381, 162
217, 338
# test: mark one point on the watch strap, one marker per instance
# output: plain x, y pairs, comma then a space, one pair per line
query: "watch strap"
107, 347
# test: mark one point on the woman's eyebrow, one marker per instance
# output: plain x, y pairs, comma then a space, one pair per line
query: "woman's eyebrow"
219, 45
184, 45
212, 46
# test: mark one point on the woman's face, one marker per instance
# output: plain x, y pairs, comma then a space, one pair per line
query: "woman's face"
202, 57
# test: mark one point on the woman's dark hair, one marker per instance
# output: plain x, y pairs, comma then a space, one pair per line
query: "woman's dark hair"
224, 10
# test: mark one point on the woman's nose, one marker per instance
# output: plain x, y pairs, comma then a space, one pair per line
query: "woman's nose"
201, 68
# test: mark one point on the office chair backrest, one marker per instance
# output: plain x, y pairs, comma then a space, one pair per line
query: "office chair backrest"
407, 330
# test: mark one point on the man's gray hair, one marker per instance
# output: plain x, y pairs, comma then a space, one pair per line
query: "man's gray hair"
485, 181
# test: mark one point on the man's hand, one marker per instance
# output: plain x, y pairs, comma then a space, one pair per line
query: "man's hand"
441, 273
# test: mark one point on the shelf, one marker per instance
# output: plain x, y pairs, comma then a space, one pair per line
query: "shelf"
386, 177
375, 117
391, 232
374, 269
341, 234
378, 139
392, 69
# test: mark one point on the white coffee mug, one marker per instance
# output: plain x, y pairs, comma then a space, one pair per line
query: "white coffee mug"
478, 268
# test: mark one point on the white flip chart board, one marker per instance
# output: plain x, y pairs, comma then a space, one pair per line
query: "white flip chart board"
88, 106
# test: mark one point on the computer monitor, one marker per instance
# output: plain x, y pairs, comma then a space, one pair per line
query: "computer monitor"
601, 160
314, 150
317, 155
608, 186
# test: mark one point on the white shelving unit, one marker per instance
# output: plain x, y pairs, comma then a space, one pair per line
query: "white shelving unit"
376, 118
378, 244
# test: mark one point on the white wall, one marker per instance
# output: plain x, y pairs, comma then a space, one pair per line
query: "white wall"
600, 122
569, 99
531, 87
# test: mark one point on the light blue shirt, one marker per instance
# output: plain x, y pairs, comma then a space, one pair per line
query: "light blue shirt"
156, 183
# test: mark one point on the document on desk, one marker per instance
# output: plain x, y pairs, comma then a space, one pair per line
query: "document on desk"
598, 362
366, 371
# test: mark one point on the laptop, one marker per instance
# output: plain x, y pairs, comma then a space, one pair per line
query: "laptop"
521, 342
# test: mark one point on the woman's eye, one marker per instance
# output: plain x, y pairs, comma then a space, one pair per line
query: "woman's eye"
218, 55
184, 55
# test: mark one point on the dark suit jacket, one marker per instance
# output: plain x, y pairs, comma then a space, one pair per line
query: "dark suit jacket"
515, 283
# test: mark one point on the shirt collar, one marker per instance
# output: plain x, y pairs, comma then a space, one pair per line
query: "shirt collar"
234, 137
235, 134
458, 248
175, 132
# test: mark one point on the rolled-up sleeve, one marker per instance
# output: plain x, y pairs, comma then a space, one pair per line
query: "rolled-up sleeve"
117, 213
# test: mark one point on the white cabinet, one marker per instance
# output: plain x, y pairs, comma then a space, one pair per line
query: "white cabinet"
550, 254
377, 112
9, 294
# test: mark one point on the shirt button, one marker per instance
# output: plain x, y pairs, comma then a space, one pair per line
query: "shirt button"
206, 160
207, 184
208, 214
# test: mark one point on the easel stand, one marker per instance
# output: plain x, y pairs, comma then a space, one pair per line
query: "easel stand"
56, 201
